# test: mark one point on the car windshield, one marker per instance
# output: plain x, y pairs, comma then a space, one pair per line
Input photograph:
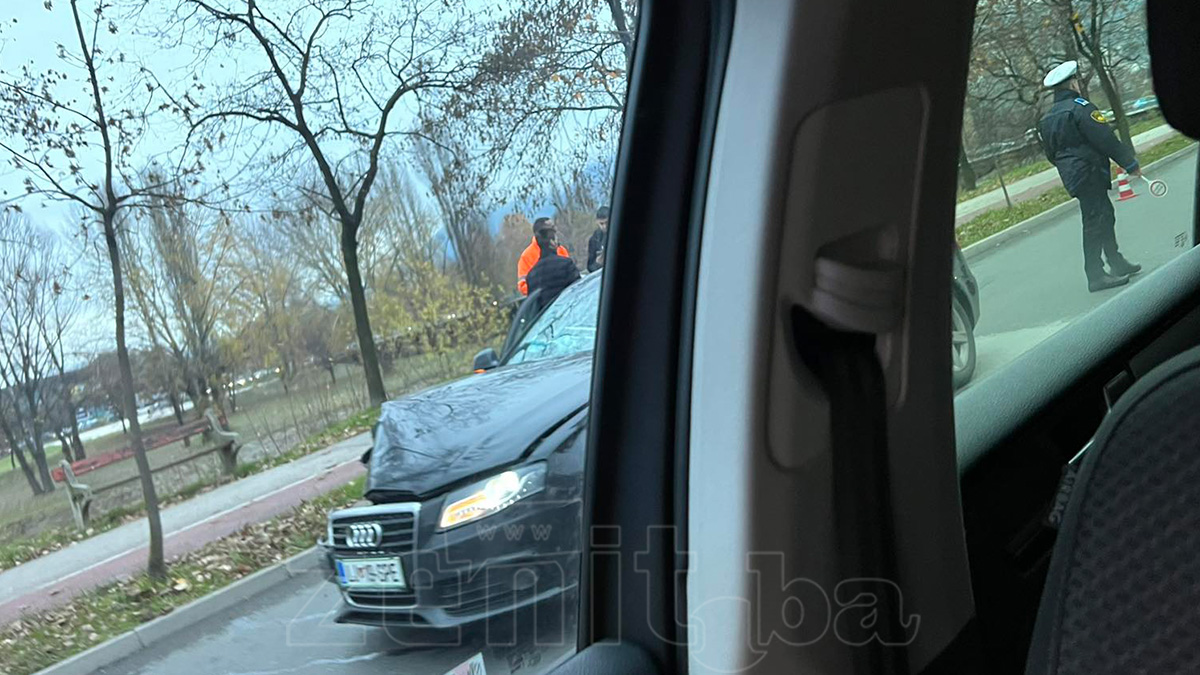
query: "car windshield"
567, 326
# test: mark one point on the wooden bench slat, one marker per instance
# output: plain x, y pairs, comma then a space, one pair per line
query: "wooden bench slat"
154, 442
170, 465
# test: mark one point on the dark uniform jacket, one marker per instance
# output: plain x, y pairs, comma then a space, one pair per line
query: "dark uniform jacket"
595, 245
551, 275
1078, 141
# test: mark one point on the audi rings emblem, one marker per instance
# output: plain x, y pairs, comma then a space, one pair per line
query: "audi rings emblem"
364, 535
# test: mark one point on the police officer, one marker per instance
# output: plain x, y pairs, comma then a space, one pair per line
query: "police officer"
1079, 143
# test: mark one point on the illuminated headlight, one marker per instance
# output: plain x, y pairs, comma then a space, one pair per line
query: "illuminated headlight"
492, 495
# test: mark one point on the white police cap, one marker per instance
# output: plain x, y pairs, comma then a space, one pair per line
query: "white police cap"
1061, 73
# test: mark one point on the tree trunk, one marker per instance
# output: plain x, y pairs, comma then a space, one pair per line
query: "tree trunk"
218, 396
43, 469
177, 408
38, 450
76, 440
30, 476
362, 322
1003, 187
623, 32
329, 365
20, 457
966, 173
65, 444
124, 426
189, 388
1113, 93
156, 566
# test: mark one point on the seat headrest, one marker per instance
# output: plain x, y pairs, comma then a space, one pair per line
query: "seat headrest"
1174, 32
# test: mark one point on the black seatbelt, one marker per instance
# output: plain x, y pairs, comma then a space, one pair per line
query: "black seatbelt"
846, 364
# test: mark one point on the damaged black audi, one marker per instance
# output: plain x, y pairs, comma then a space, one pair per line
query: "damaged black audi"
475, 486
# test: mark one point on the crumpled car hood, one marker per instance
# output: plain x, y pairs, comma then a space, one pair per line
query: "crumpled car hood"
469, 427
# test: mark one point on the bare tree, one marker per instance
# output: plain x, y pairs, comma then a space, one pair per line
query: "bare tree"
1014, 44
105, 388
25, 279
269, 295
313, 240
552, 89
406, 227
12, 435
1107, 34
459, 188
337, 73
54, 326
143, 270
36, 310
188, 253
80, 151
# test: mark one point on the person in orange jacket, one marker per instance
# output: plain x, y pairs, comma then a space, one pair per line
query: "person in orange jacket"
531, 255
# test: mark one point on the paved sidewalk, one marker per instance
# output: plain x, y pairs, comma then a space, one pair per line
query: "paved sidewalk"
1032, 186
54, 579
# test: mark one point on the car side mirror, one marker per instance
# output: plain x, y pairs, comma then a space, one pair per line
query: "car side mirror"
366, 457
486, 360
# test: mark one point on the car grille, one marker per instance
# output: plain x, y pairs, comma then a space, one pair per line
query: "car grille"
377, 599
399, 534
484, 593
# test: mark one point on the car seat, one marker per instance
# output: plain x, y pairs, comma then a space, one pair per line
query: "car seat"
1121, 594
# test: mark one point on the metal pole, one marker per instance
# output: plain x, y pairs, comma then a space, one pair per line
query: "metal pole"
1000, 175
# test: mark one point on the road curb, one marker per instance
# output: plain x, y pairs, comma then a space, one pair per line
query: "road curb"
126, 644
992, 242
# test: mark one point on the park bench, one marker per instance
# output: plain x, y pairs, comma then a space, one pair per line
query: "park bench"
81, 495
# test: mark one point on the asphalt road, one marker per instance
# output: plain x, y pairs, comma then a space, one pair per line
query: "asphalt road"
1032, 286
289, 630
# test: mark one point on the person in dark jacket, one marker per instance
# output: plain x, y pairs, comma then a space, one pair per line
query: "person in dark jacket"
553, 272
1079, 143
595, 259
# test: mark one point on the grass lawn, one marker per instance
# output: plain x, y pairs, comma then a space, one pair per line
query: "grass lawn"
993, 183
1146, 122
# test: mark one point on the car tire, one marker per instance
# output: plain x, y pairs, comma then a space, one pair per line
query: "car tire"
962, 344
963, 350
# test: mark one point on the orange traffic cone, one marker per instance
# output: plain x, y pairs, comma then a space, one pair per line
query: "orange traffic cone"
1124, 189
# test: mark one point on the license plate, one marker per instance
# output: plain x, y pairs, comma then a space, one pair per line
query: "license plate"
373, 572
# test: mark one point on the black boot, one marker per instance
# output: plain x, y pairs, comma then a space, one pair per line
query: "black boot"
1121, 267
1093, 266
1118, 266
1103, 282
